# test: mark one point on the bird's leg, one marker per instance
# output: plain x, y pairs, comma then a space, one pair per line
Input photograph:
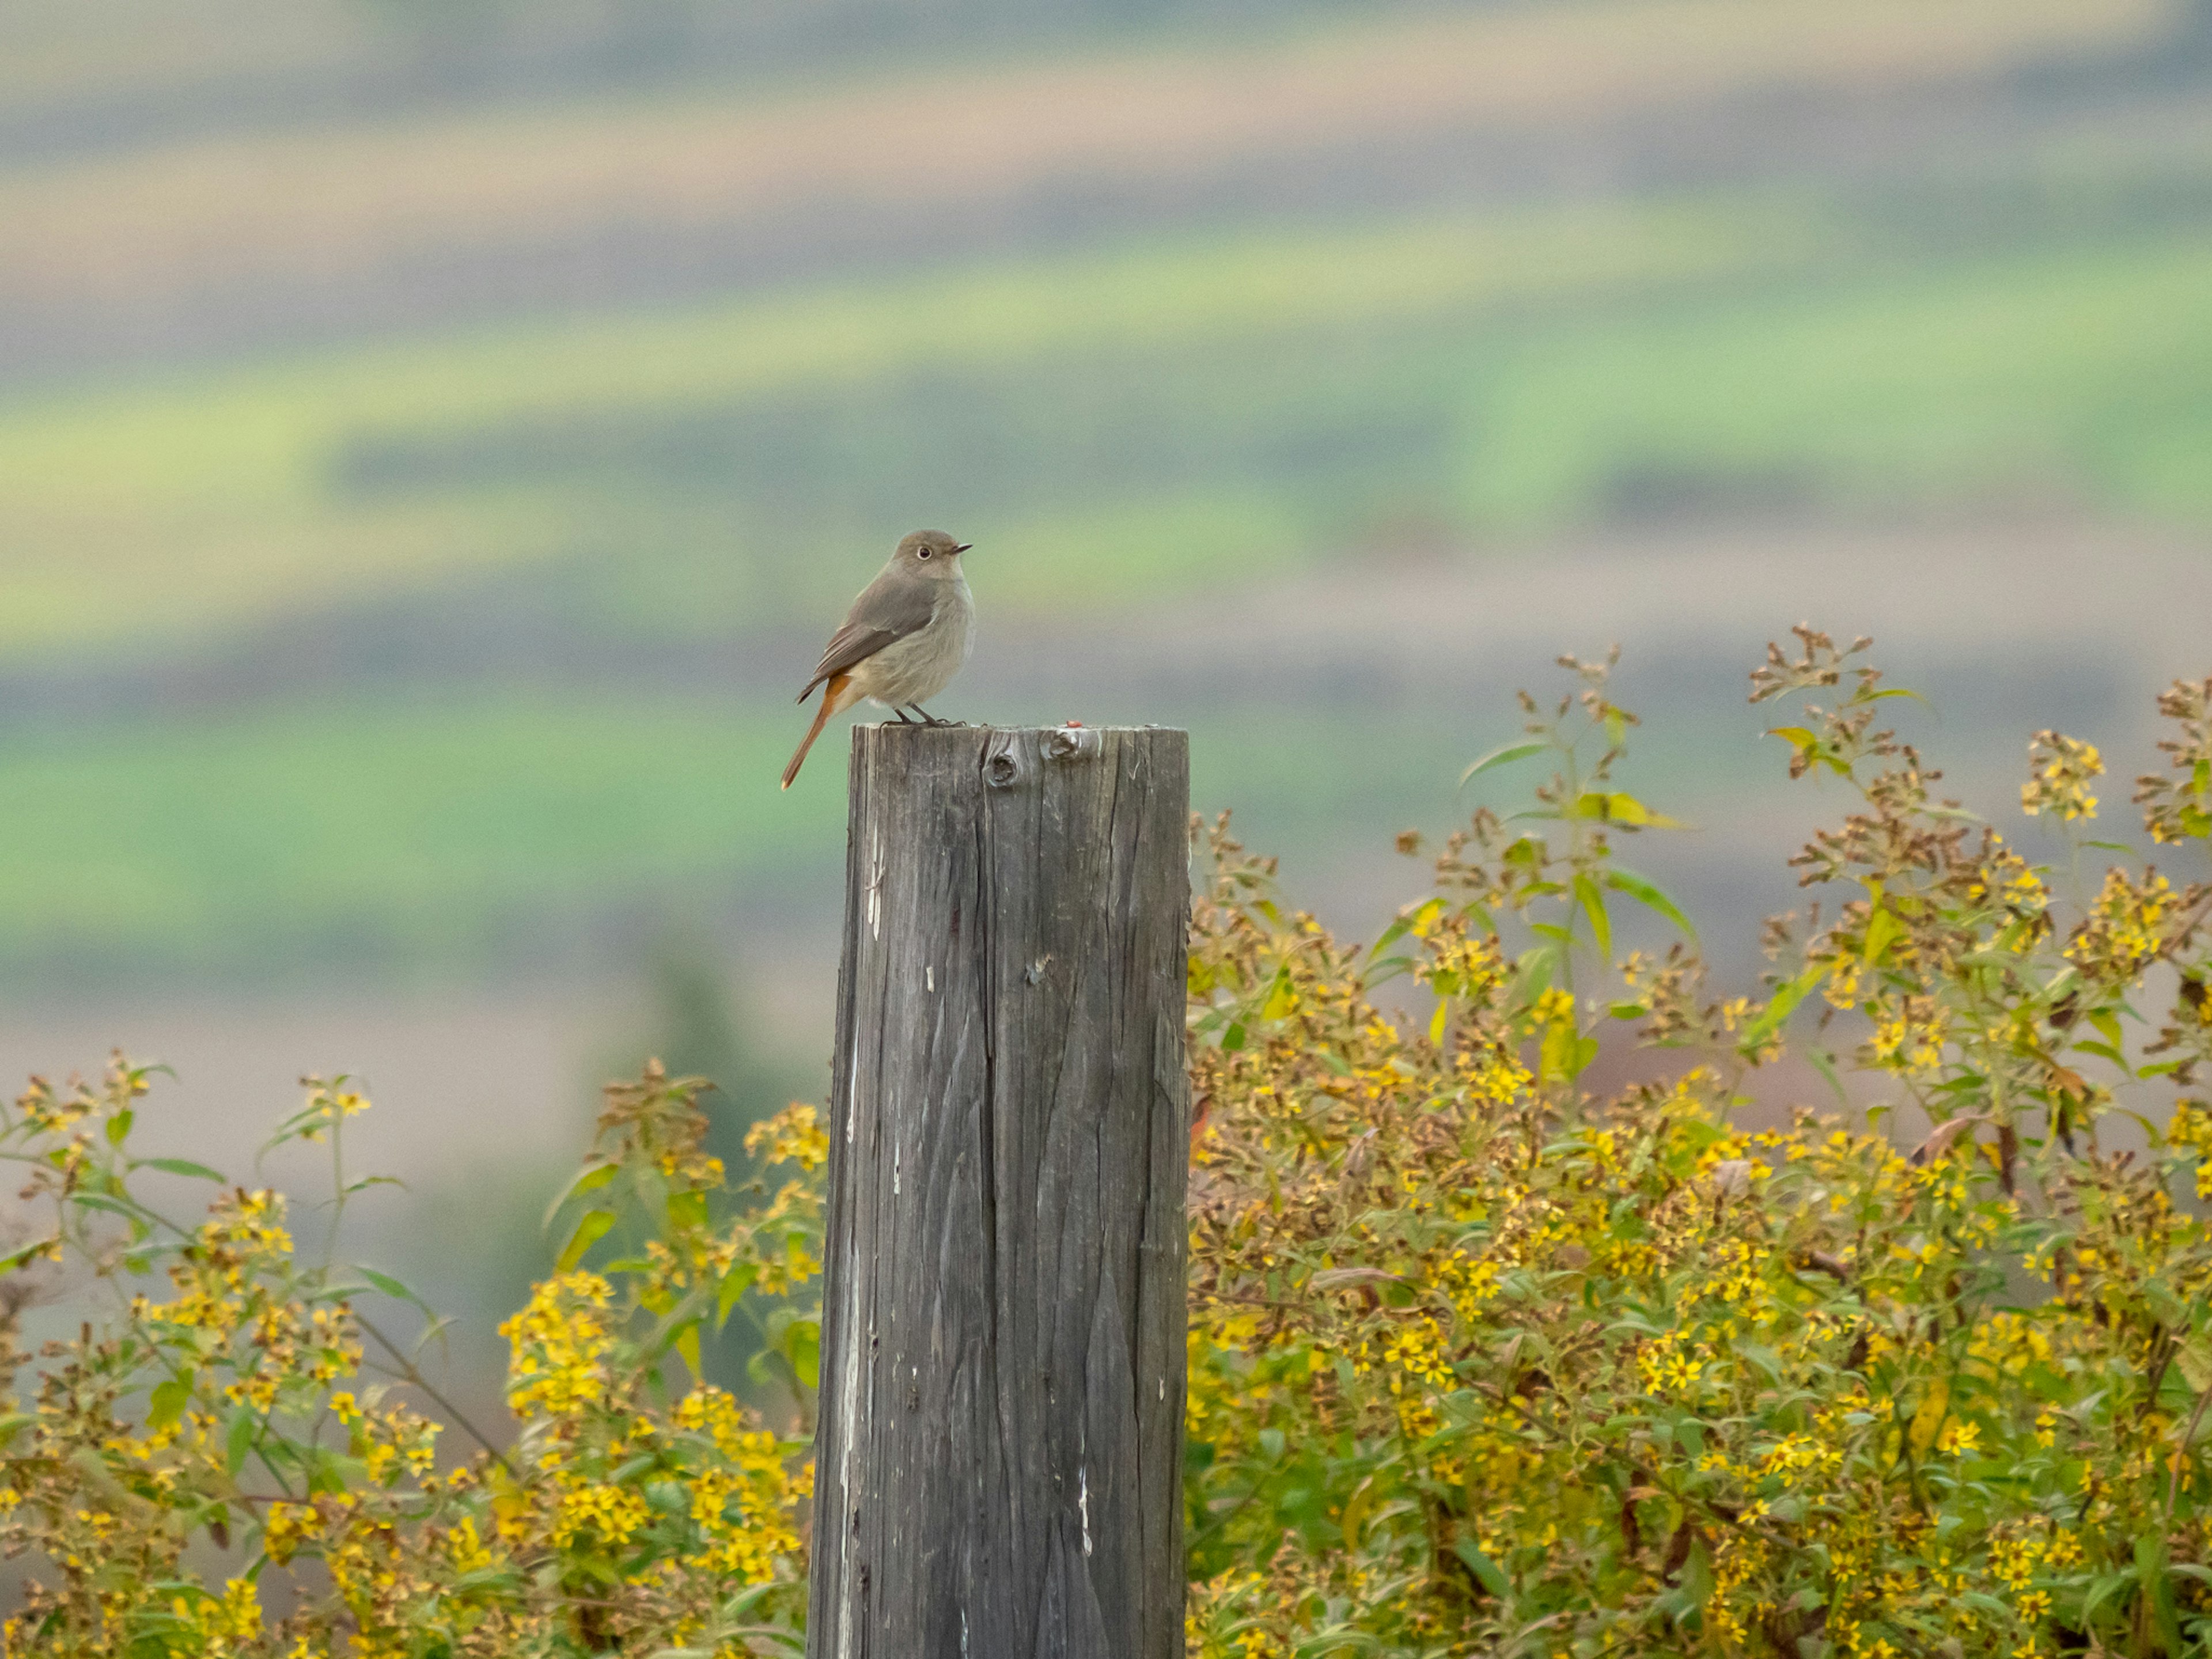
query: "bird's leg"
928, 719
902, 720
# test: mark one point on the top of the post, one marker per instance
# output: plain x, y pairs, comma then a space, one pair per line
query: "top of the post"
1004, 755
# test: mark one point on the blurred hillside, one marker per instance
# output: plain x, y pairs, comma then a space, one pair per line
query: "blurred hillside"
434, 439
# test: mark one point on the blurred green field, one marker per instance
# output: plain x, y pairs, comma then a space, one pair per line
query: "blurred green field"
197, 500
1168, 419
1180, 414
2085, 371
364, 838
371, 841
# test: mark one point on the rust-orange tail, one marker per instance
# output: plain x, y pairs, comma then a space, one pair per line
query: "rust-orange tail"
833, 699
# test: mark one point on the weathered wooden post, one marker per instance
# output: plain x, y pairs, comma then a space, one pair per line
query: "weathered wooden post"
998, 1453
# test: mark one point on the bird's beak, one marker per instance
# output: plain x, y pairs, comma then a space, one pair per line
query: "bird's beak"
964, 547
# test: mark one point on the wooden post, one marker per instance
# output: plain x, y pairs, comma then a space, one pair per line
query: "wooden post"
999, 1454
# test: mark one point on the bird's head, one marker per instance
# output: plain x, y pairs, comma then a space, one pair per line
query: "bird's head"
930, 553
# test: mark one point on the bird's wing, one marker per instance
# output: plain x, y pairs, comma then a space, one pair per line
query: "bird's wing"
889, 609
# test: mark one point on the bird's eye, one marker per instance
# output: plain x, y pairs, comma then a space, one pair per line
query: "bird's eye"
921, 553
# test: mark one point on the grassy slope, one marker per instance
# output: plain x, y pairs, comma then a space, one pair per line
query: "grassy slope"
2088, 370
342, 839
205, 498
1507, 374
417, 832
361, 837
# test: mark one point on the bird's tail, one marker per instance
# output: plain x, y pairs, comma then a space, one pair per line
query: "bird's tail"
832, 700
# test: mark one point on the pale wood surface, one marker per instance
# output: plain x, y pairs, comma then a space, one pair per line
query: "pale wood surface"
999, 1450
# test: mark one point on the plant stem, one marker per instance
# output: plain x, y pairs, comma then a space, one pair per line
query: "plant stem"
410, 1374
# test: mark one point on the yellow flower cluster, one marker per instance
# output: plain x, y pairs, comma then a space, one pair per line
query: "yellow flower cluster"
2190, 1130
1910, 1036
794, 1135
562, 1344
2061, 769
613, 1523
1746, 1390
2125, 931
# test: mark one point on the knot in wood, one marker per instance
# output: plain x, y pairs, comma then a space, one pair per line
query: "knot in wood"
1002, 770
1071, 743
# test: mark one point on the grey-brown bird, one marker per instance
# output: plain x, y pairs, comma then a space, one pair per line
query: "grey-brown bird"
902, 641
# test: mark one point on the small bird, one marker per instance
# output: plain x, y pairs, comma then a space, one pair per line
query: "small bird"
902, 641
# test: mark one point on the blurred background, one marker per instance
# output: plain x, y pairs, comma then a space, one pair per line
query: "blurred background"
437, 436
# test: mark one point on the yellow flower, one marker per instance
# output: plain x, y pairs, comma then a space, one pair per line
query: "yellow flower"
1554, 1004
2060, 770
561, 1345
793, 1135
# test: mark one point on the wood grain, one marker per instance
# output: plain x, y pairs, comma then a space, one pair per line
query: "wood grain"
999, 1458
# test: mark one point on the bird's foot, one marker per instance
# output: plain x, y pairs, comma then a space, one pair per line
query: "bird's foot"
928, 719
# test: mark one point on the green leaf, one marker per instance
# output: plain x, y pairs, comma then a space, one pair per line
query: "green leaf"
181, 1166
1882, 926
1503, 755
2158, 1590
589, 1179
590, 1228
802, 1347
735, 1283
119, 1127
2103, 1590
2195, 1360
1645, 891
166, 1405
1624, 810
1485, 1570
1593, 903
1698, 1575
1779, 1007
687, 1343
1398, 929
392, 1288
238, 1443
1563, 1054
685, 1210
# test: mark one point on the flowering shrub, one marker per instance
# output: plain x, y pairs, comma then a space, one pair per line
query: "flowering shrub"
256, 1408
1483, 1360
1481, 1364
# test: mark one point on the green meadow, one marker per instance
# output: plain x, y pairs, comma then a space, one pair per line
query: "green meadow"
1180, 413
1174, 418
352, 840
